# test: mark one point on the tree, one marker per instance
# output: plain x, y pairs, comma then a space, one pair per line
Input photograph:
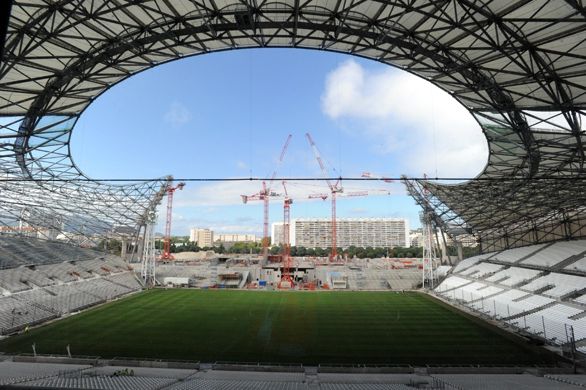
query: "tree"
221, 249
111, 245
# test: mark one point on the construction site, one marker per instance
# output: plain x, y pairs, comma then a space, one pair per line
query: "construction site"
283, 271
87, 299
300, 273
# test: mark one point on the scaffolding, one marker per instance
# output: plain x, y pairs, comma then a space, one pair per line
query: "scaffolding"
429, 251
149, 259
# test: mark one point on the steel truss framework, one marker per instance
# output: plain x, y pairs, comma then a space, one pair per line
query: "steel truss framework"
517, 66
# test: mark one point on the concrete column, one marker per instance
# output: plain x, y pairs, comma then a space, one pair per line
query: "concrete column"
140, 241
124, 248
460, 250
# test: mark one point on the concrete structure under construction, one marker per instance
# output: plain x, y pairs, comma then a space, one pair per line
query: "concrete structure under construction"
244, 272
236, 238
358, 232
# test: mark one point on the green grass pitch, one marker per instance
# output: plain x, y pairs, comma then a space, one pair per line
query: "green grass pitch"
293, 327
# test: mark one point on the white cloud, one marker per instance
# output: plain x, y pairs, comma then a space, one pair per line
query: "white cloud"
202, 205
177, 114
229, 193
241, 165
424, 127
216, 194
250, 229
213, 195
182, 225
350, 91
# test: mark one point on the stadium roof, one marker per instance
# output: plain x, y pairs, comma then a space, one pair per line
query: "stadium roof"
518, 66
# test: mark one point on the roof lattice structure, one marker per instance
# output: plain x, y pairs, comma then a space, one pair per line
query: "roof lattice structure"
517, 66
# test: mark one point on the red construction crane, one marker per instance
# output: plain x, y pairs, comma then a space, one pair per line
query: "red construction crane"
167, 239
335, 189
286, 278
264, 195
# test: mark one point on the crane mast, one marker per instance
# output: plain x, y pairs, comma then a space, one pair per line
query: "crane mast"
265, 224
286, 278
334, 253
265, 194
167, 239
429, 254
335, 188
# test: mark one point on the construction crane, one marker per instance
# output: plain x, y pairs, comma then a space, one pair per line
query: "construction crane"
321, 196
324, 196
265, 194
286, 279
375, 176
167, 239
335, 188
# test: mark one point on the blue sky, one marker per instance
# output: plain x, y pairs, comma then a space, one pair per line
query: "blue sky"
228, 114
